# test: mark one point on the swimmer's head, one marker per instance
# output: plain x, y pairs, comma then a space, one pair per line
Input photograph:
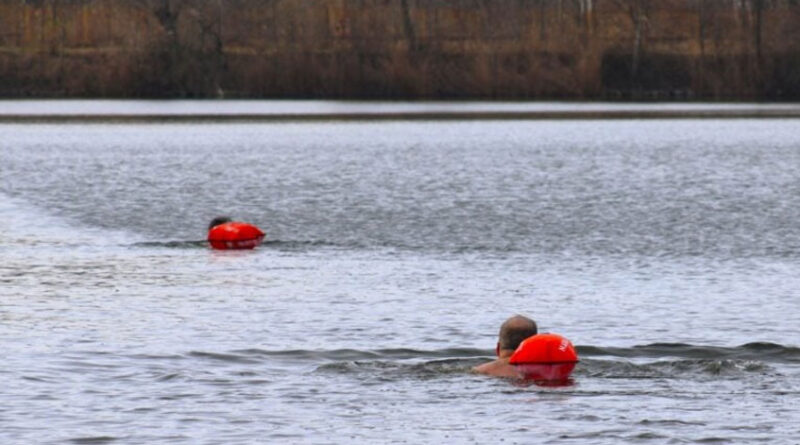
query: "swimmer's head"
219, 220
514, 330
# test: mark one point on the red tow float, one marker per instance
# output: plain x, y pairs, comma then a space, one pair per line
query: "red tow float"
234, 235
546, 358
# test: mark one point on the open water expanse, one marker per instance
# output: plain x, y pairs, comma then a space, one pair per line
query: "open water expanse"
668, 251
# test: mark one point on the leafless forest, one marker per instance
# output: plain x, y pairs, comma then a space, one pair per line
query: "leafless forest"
514, 49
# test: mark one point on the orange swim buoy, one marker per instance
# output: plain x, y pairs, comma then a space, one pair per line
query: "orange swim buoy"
545, 357
235, 235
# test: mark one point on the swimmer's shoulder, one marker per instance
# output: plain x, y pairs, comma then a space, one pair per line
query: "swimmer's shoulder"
497, 368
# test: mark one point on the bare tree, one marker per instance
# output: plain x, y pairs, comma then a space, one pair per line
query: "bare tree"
189, 60
408, 25
701, 37
638, 12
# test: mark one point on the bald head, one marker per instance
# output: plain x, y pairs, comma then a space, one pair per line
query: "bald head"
514, 330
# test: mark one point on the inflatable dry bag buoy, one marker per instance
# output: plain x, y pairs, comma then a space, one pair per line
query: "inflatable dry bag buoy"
545, 357
235, 235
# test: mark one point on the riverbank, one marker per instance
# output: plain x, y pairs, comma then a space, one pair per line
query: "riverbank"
285, 110
372, 49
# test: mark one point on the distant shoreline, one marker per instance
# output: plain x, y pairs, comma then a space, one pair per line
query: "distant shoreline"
500, 49
66, 111
451, 116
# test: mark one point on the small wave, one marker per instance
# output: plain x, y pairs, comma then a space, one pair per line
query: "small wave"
670, 368
760, 351
763, 352
657, 361
338, 355
355, 354
93, 440
388, 370
223, 357
380, 364
173, 244
429, 369
346, 244
274, 244
669, 422
301, 245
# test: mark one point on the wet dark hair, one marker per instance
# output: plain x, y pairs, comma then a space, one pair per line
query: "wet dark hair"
218, 220
515, 330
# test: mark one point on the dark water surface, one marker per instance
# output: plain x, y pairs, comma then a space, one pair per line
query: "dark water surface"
667, 250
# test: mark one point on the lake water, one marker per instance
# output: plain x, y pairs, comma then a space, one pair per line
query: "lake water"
668, 251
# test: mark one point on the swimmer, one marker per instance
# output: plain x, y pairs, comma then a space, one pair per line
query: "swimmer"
512, 332
226, 234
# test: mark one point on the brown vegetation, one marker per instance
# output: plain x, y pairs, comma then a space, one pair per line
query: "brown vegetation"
682, 49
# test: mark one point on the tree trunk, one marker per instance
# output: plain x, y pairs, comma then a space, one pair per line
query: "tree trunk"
408, 26
637, 40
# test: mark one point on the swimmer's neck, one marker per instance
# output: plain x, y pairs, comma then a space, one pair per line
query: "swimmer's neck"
504, 354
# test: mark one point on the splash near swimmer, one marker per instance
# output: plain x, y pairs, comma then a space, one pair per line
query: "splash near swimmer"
226, 234
545, 358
